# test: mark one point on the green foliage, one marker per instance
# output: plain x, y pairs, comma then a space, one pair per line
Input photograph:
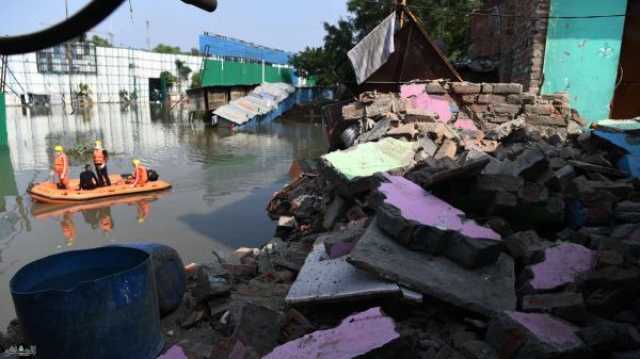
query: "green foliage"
196, 80
183, 70
100, 41
444, 20
168, 78
83, 90
166, 49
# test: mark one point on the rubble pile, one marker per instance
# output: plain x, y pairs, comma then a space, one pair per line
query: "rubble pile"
497, 207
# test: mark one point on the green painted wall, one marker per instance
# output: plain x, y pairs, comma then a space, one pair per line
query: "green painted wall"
582, 55
229, 73
3, 122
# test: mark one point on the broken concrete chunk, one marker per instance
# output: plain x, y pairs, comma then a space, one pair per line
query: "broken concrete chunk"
487, 290
377, 132
539, 335
367, 159
428, 146
340, 243
420, 115
334, 210
611, 337
357, 335
175, 352
258, 328
531, 162
552, 301
353, 111
499, 183
322, 279
407, 130
435, 88
562, 265
526, 247
448, 149
477, 349
415, 204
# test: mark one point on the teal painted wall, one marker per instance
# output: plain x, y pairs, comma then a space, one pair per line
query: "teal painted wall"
582, 55
232, 73
3, 122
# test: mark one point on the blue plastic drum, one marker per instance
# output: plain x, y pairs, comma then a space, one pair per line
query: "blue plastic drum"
98, 303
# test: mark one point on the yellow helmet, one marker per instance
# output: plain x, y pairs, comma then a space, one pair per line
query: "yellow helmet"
98, 143
141, 220
59, 149
135, 162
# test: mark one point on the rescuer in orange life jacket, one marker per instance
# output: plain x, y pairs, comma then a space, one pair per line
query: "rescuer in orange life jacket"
140, 177
100, 159
61, 167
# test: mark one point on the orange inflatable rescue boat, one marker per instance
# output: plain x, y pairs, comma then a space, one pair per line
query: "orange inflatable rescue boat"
48, 192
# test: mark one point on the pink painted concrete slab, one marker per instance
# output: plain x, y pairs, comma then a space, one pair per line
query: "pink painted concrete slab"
411, 90
465, 124
356, 335
548, 329
561, 266
175, 352
421, 206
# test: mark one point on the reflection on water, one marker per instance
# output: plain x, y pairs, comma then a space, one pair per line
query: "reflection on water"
222, 182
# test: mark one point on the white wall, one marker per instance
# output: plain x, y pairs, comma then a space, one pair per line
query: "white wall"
114, 73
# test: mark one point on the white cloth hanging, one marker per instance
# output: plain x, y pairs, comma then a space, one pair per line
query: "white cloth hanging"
374, 50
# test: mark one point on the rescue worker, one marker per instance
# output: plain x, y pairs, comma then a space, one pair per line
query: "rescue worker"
88, 179
61, 167
100, 158
140, 177
68, 229
106, 220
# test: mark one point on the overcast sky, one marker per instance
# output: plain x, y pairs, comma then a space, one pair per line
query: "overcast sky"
285, 24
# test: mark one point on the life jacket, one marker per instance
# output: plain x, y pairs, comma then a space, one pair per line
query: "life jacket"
69, 229
98, 156
141, 175
61, 165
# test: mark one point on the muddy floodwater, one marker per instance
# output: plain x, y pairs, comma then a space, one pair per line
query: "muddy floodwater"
222, 182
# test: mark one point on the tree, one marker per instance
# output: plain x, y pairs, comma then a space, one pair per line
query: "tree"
166, 49
196, 80
168, 78
445, 20
100, 41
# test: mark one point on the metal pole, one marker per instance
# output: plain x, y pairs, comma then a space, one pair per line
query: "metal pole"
400, 5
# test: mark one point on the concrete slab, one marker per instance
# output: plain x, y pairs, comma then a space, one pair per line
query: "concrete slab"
488, 290
541, 335
421, 206
562, 264
322, 279
367, 159
356, 335
424, 222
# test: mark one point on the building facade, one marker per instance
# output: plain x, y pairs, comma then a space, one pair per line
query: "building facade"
574, 46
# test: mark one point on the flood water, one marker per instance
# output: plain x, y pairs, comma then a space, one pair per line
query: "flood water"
222, 182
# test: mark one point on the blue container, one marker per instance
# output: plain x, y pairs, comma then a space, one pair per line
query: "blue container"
98, 303
171, 279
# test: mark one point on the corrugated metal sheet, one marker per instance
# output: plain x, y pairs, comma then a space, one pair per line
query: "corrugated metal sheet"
223, 46
264, 100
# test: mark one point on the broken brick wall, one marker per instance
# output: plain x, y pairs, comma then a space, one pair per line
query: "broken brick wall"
522, 42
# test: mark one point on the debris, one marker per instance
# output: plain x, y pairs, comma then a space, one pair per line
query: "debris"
338, 244
486, 290
538, 335
258, 328
175, 352
562, 265
357, 335
367, 159
330, 280
552, 301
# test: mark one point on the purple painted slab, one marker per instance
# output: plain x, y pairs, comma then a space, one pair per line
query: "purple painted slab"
356, 335
407, 91
561, 266
175, 352
548, 329
439, 105
421, 206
